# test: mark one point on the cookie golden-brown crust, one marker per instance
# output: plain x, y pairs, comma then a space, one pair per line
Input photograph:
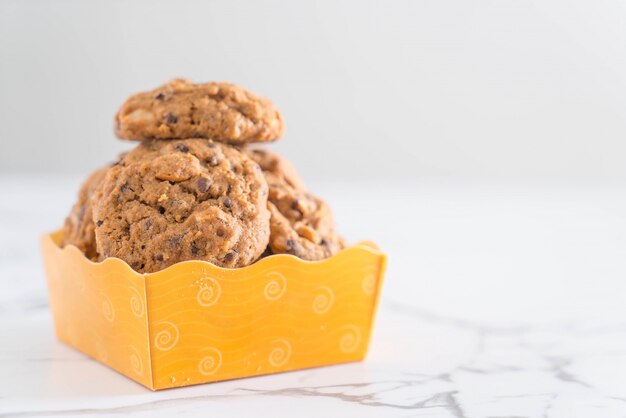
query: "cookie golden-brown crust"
300, 222
79, 227
181, 109
280, 170
175, 200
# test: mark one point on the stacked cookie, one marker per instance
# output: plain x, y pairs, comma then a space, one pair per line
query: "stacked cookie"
194, 188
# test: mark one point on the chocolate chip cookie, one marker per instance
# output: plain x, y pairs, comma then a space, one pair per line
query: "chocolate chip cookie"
175, 200
300, 223
79, 227
181, 109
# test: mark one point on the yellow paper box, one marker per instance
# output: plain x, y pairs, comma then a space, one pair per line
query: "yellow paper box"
194, 322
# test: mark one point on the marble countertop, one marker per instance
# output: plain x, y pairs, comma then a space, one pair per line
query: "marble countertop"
500, 300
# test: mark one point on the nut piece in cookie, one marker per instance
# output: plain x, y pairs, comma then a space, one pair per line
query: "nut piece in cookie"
174, 200
181, 109
79, 226
300, 223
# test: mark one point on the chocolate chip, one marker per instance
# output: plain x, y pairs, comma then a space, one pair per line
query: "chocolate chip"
233, 169
171, 118
295, 205
182, 147
175, 240
99, 223
291, 244
203, 185
323, 242
230, 256
194, 250
124, 187
213, 161
148, 224
161, 210
160, 96
227, 202
158, 257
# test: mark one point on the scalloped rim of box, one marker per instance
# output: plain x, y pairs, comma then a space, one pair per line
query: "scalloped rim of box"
368, 246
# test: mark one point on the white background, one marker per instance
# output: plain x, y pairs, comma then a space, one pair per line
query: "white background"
399, 90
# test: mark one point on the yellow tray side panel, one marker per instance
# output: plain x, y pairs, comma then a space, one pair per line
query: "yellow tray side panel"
209, 323
99, 308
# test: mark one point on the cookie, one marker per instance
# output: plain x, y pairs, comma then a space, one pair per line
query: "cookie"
280, 170
79, 227
300, 222
181, 109
175, 200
